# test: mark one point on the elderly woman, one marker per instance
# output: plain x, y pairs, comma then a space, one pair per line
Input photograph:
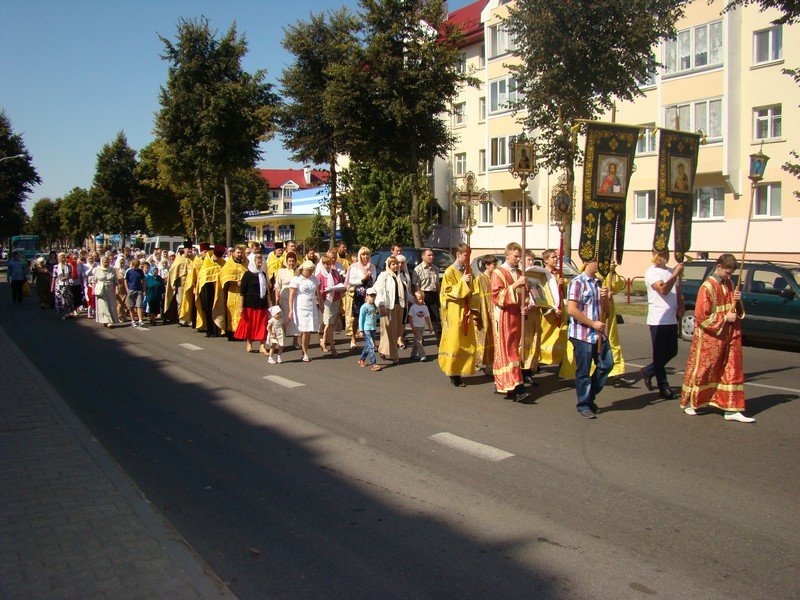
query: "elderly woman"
62, 291
120, 266
392, 297
402, 273
305, 303
253, 304
331, 286
105, 292
43, 277
283, 278
360, 276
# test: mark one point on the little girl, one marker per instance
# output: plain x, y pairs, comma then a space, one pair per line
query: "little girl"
275, 334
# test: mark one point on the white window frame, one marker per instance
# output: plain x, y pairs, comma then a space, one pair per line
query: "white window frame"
703, 194
460, 114
649, 196
460, 164
481, 109
515, 212
461, 65
646, 144
770, 194
500, 41
482, 56
275, 194
486, 213
772, 117
482, 160
692, 109
686, 45
498, 152
502, 94
774, 37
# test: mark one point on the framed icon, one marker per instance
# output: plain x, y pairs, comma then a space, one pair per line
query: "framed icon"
611, 175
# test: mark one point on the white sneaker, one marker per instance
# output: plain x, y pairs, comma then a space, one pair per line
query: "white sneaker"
134, 324
423, 358
271, 360
278, 360
737, 416
690, 411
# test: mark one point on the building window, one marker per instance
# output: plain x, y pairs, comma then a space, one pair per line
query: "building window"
645, 205
482, 56
709, 203
515, 211
500, 41
695, 48
287, 206
460, 164
503, 94
460, 113
482, 161
460, 215
647, 139
486, 216
435, 213
275, 194
274, 208
482, 108
498, 149
287, 193
461, 65
285, 232
648, 81
767, 122
768, 200
768, 45
705, 115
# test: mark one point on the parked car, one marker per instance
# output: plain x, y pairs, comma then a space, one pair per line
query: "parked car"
770, 294
570, 270
441, 258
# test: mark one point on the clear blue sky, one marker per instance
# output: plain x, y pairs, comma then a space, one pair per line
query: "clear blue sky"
73, 74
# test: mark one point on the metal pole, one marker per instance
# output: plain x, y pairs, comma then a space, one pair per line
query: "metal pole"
523, 185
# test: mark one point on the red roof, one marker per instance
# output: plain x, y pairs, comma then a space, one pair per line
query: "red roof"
278, 177
469, 19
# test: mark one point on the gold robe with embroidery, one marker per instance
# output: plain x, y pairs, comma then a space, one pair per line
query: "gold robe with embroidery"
456, 348
226, 302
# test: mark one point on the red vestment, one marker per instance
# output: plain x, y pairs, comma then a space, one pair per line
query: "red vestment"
507, 372
714, 372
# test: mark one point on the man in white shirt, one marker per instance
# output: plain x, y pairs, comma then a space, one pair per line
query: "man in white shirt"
664, 308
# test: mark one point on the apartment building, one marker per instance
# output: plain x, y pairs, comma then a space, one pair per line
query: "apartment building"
722, 75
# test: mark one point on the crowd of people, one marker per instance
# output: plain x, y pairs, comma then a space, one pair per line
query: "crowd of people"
497, 322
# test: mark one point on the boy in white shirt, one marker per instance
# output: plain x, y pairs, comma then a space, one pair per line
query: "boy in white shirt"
419, 317
275, 337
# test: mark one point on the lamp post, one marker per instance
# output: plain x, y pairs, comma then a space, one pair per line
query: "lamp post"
758, 164
10, 157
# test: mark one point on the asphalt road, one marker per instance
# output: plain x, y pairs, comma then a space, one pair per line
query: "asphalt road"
335, 487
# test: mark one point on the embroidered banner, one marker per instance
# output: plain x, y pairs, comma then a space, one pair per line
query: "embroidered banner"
608, 164
677, 166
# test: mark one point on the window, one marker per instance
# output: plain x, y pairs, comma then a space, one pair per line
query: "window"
695, 48
287, 206
287, 193
498, 149
461, 65
768, 200
709, 204
500, 41
460, 113
648, 81
482, 56
482, 161
285, 232
274, 208
767, 122
275, 194
460, 164
768, 45
645, 205
503, 94
435, 213
515, 211
705, 115
461, 215
647, 139
486, 215
482, 109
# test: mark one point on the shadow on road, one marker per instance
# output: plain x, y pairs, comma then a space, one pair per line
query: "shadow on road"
762, 403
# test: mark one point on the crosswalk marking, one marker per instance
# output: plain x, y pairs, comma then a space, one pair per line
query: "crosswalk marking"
287, 383
190, 346
467, 446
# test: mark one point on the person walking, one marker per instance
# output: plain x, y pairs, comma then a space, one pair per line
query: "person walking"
367, 326
426, 279
457, 345
16, 275
253, 304
664, 308
44, 279
62, 292
360, 277
105, 293
305, 304
391, 300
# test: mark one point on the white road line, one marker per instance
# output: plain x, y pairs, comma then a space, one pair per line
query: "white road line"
753, 383
461, 444
190, 346
287, 383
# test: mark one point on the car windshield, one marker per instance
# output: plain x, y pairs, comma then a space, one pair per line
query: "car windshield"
796, 275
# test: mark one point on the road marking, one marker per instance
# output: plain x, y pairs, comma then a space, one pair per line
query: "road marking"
753, 383
190, 346
287, 383
461, 444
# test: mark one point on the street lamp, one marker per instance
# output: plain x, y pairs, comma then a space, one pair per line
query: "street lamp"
10, 157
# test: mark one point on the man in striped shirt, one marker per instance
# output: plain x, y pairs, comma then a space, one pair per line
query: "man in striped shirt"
588, 302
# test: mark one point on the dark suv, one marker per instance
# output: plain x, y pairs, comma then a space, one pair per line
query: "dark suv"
441, 258
770, 293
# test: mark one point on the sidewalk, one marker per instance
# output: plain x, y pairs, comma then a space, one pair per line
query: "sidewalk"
72, 525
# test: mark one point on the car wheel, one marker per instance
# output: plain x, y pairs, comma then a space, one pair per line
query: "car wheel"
687, 325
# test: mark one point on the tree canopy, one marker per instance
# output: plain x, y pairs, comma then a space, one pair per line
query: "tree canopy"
17, 178
116, 188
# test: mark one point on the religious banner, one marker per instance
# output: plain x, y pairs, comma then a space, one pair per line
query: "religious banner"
608, 164
677, 165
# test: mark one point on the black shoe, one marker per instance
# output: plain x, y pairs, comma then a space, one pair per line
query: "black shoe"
586, 413
666, 392
523, 398
593, 407
648, 380
456, 381
620, 381
528, 379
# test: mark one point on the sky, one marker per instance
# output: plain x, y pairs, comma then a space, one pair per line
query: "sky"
73, 74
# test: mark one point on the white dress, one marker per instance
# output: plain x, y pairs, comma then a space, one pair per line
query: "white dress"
306, 312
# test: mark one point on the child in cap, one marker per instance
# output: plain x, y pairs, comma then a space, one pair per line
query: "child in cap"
367, 325
275, 334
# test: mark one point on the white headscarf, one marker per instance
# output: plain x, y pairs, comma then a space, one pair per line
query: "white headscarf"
262, 277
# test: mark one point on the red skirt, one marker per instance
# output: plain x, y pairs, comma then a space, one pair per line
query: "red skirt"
253, 324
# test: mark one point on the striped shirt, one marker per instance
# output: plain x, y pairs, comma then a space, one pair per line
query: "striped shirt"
585, 290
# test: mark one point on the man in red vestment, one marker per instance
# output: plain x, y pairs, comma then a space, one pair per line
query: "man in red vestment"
714, 373
508, 291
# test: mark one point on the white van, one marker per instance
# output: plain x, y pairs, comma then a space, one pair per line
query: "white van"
165, 242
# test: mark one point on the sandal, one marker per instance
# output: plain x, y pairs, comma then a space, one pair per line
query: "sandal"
377, 368
305, 358
263, 350
361, 363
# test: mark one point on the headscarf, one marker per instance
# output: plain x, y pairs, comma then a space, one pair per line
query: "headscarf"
307, 265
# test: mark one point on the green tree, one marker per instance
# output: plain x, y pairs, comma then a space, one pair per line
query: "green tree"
390, 95
45, 222
576, 60
317, 231
17, 178
160, 195
213, 114
378, 206
317, 45
78, 215
116, 189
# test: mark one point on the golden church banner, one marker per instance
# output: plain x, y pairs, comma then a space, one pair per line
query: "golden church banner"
608, 164
677, 166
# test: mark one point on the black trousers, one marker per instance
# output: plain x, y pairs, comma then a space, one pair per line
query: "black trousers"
207, 295
665, 347
432, 300
16, 291
77, 295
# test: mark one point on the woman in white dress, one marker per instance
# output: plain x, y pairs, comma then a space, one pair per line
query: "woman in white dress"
283, 278
305, 304
105, 293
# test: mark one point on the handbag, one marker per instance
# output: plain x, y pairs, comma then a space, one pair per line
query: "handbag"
26, 289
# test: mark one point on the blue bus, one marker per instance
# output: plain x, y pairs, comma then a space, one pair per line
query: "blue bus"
26, 245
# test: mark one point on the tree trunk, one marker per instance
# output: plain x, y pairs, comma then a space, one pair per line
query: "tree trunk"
416, 233
227, 212
334, 203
